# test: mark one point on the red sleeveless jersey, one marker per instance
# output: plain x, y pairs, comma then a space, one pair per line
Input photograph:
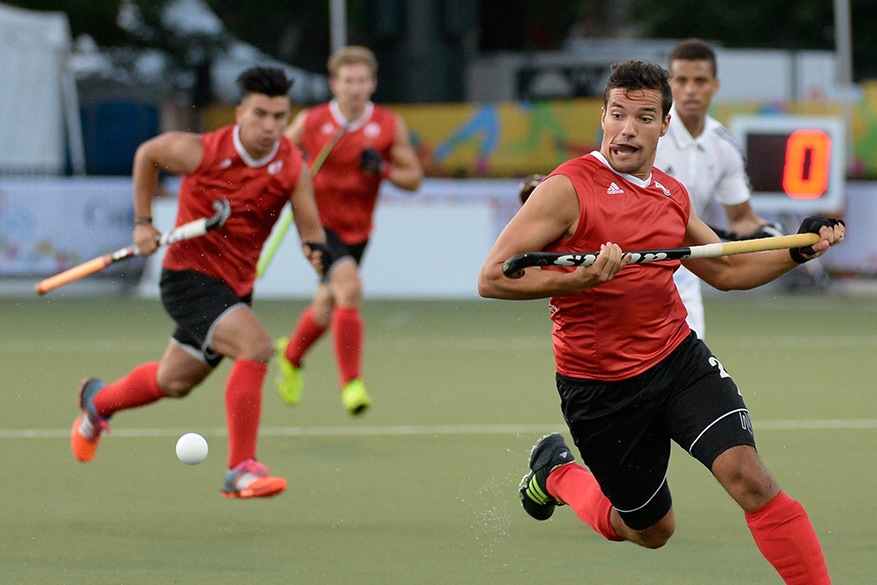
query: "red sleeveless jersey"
257, 192
346, 196
625, 326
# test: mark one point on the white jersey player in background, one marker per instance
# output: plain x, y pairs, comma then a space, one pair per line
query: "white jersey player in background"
701, 153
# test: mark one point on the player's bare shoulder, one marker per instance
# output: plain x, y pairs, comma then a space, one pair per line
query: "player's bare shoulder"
295, 130
174, 151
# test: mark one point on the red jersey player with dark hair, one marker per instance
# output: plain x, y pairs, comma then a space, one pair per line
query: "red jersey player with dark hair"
356, 144
207, 282
631, 375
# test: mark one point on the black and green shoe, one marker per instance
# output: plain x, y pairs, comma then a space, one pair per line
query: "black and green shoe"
545, 456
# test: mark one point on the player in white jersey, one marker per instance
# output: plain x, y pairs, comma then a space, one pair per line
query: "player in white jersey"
701, 153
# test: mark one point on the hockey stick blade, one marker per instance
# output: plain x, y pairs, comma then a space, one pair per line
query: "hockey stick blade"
193, 229
514, 265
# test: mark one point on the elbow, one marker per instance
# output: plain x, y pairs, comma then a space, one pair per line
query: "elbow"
486, 289
729, 284
415, 182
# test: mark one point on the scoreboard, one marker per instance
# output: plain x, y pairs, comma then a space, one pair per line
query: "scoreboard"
794, 163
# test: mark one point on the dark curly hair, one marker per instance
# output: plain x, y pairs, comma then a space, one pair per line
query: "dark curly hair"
270, 81
638, 75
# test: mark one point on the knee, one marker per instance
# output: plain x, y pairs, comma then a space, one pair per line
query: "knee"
347, 287
655, 536
745, 478
176, 388
260, 350
658, 535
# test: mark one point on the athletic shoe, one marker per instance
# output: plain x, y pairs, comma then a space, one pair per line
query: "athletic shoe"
289, 381
545, 456
88, 426
356, 400
250, 479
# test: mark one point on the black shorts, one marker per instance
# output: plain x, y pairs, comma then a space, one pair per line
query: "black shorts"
340, 250
623, 429
196, 302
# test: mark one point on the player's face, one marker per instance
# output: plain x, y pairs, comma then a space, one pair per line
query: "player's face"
261, 120
632, 124
694, 84
353, 86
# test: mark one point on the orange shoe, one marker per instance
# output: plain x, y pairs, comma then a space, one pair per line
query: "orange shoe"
88, 426
250, 479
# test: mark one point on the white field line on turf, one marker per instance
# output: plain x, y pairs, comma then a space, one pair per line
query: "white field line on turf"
485, 343
424, 430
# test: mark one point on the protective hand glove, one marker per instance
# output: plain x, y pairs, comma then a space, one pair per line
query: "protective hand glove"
811, 225
371, 162
327, 257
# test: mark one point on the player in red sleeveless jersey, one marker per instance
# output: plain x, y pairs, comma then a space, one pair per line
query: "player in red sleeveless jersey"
631, 375
207, 282
354, 145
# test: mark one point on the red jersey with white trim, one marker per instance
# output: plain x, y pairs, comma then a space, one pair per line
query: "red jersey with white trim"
257, 191
625, 326
346, 196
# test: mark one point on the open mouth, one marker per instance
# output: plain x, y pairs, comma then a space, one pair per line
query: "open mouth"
624, 149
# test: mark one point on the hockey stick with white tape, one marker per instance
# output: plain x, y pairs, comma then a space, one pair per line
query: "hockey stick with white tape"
193, 229
514, 266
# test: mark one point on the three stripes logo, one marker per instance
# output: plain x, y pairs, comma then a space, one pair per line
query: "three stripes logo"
614, 189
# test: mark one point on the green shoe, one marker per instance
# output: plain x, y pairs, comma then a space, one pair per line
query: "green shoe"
356, 400
289, 381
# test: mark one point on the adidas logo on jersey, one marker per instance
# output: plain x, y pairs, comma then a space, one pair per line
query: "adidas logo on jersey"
614, 189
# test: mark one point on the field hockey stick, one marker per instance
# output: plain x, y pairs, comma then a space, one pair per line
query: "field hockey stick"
193, 229
285, 220
514, 265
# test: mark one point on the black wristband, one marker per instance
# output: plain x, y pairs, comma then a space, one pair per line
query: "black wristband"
142, 221
797, 256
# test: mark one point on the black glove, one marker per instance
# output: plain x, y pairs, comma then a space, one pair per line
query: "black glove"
768, 230
812, 225
371, 162
327, 256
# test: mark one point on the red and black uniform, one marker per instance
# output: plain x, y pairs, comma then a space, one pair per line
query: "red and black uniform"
345, 194
632, 322
346, 197
630, 373
257, 191
203, 277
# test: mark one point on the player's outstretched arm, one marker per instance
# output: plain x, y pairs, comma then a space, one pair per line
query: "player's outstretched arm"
173, 152
307, 221
404, 170
746, 271
547, 218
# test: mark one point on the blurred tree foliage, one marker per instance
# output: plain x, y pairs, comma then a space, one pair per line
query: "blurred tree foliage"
297, 31
96, 18
767, 24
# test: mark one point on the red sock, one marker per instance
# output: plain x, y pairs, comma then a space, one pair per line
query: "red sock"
576, 487
138, 388
347, 330
307, 332
786, 538
243, 409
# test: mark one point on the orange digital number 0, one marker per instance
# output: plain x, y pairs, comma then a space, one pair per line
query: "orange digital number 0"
808, 154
